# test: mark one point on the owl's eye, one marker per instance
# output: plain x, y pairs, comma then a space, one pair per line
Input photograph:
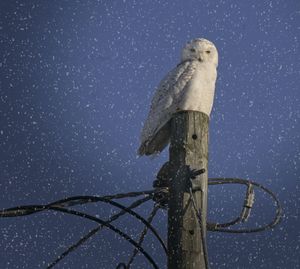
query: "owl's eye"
208, 51
192, 50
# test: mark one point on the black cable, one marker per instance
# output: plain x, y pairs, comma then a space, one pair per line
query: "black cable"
121, 266
98, 228
19, 211
108, 225
159, 196
129, 211
26, 210
72, 201
143, 234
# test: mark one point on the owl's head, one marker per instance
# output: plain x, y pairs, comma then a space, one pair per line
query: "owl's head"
200, 49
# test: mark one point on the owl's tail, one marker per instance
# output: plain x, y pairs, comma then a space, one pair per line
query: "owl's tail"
142, 150
155, 144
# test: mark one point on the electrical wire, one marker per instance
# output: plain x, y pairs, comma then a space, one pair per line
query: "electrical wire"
97, 229
143, 234
160, 197
109, 226
76, 200
216, 227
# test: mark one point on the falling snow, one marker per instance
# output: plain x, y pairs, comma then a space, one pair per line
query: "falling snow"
76, 81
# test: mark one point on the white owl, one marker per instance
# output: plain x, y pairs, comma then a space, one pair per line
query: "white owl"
189, 86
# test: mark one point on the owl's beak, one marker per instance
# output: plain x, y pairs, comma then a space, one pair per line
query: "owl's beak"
200, 59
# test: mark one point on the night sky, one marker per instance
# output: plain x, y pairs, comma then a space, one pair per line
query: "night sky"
76, 81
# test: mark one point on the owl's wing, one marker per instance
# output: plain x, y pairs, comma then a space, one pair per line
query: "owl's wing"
155, 133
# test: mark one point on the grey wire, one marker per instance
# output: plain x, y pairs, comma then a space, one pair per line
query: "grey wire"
278, 214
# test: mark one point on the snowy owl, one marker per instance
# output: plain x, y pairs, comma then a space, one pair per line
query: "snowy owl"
189, 86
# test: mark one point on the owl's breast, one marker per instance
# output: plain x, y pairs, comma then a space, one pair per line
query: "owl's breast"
198, 94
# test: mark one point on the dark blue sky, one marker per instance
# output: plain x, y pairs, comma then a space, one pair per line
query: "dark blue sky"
77, 78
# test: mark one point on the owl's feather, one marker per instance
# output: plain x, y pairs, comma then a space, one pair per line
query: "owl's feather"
189, 86
154, 138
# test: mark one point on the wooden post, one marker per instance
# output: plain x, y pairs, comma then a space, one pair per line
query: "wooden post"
188, 149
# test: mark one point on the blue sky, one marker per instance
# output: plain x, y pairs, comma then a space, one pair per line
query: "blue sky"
76, 81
